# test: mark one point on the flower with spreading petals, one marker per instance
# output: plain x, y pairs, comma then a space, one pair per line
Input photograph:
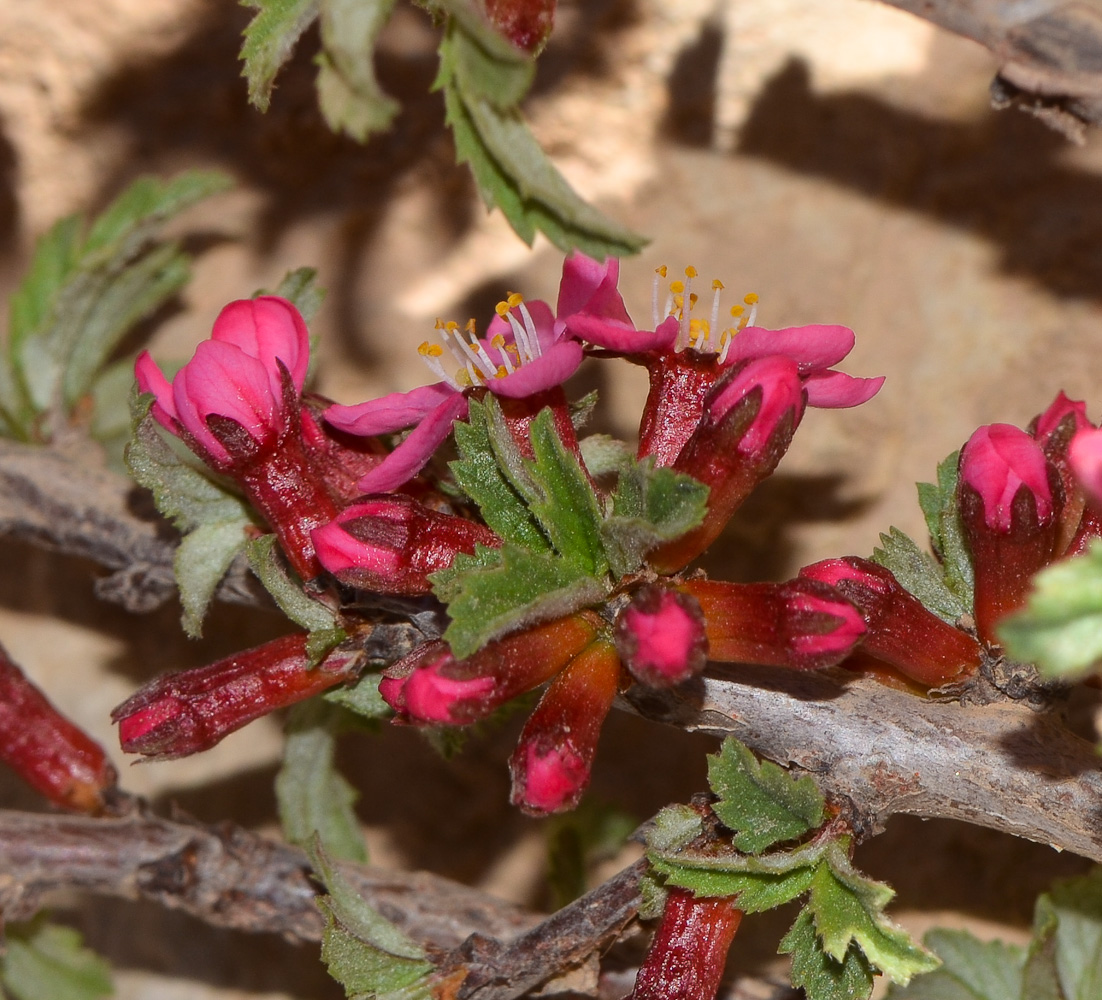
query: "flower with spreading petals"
526, 352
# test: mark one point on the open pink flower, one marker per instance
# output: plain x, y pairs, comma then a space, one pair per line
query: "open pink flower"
237, 376
525, 351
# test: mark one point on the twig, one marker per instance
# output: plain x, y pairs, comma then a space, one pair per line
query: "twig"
1000, 765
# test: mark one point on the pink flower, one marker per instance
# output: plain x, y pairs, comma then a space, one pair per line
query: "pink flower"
1085, 456
1064, 417
236, 377
525, 351
998, 462
660, 636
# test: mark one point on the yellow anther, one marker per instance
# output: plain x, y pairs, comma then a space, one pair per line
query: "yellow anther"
677, 287
439, 323
502, 308
750, 299
737, 311
660, 271
717, 285
427, 350
691, 272
498, 342
451, 326
463, 377
515, 300
470, 327
693, 297
501, 372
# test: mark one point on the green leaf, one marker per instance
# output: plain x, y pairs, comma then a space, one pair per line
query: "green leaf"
604, 455
501, 75
650, 506
481, 477
111, 411
919, 573
45, 962
1075, 908
314, 799
673, 828
269, 40
972, 970
524, 588
300, 288
763, 803
362, 699
562, 498
511, 170
941, 509
821, 976
1060, 628
348, 92
200, 562
848, 907
364, 952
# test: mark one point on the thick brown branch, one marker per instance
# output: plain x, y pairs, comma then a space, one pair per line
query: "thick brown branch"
1049, 52
1000, 765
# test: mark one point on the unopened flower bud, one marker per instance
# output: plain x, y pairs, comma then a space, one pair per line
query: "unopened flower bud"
901, 631
803, 624
660, 636
1009, 501
50, 753
432, 686
192, 710
554, 756
391, 544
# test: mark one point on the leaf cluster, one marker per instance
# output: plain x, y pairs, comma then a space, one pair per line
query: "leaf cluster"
841, 937
562, 545
46, 960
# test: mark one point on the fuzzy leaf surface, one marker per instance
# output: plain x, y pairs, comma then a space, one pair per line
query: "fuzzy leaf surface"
362, 699
971, 970
1060, 628
270, 39
821, 976
1075, 908
199, 563
43, 961
300, 288
761, 802
919, 573
314, 798
941, 508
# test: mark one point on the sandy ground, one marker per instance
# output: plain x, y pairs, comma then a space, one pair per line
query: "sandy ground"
838, 159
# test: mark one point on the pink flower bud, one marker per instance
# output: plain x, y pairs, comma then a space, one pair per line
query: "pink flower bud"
182, 713
391, 544
54, 756
526, 23
554, 756
660, 636
1063, 418
901, 631
1010, 497
432, 686
803, 624
687, 956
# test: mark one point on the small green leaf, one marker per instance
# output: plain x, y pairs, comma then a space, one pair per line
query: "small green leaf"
673, 828
755, 892
650, 506
314, 799
848, 907
480, 476
200, 562
364, 952
604, 455
502, 77
362, 699
821, 976
1075, 907
941, 508
269, 40
919, 573
524, 588
300, 288
348, 92
1060, 628
45, 962
972, 970
763, 803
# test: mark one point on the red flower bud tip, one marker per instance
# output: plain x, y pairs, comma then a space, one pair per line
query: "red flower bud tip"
803, 624
660, 636
50, 753
689, 950
182, 713
1085, 457
901, 631
1010, 496
526, 23
431, 686
391, 544
554, 756
1000, 460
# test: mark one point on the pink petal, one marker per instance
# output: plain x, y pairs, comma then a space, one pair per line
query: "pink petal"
267, 328
390, 413
411, 456
551, 777
338, 551
836, 390
552, 368
782, 393
1060, 407
151, 379
427, 696
996, 462
813, 348
622, 336
1085, 457
590, 287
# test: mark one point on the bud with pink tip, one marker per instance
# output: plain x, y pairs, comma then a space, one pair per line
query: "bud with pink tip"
660, 636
